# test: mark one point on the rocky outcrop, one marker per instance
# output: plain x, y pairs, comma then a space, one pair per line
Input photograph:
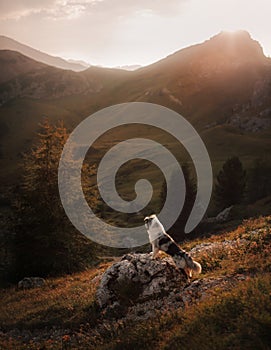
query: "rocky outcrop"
221, 217
138, 278
251, 124
255, 114
208, 248
137, 287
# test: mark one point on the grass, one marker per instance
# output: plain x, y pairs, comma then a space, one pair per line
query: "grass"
239, 319
229, 318
64, 301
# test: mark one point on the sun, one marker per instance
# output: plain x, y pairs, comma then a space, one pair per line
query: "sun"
232, 30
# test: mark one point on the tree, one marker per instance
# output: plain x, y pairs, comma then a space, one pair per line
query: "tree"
177, 230
46, 242
259, 181
230, 183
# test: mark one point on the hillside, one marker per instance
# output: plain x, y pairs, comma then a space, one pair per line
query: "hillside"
227, 307
11, 44
32, 90
13, 64
209, 82
25, 78
222, 86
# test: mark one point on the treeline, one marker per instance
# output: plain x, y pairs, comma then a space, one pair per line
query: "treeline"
45, 242
233, 186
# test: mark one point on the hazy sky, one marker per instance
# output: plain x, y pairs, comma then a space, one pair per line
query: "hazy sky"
118, 32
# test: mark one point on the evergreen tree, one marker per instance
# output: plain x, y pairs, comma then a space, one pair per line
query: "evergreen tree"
46, 242
177, 230
259, 181
230, 184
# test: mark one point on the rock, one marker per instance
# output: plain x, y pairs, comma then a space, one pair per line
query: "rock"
221, 217
139, 288
138, 278
224, 214
200, 289
255, 123
226, 245
31, 282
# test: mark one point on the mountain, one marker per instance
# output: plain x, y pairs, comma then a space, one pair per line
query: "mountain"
82, 63
11, 44
129, 67
13, 64
222, 86
24, 77
32, 90
217, 75
227, 69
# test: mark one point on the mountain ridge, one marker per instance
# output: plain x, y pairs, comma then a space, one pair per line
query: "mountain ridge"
7, 43
13, 63
204, 61
223, 99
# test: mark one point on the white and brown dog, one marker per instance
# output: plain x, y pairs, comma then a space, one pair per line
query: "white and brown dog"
160, 240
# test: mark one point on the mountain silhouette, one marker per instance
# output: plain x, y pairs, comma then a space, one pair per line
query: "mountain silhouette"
7, 43
222, 86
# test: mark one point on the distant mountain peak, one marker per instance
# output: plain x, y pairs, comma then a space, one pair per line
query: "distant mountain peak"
130, 67
239, 37
238, 43
244, 34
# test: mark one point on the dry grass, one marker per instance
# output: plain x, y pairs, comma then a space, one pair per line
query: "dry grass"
62, 302
238, 318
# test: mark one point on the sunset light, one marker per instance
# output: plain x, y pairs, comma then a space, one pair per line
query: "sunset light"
135, 174
114, 33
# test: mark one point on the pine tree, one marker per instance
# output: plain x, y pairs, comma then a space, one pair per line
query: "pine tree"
46, 242
230, 184
259, 181
177, 230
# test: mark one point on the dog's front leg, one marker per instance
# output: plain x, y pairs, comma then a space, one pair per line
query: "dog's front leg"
155, 250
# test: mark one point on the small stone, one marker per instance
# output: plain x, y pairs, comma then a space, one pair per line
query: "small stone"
31, 282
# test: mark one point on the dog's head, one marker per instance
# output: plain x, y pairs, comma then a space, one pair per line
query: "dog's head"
153, 224
149, 220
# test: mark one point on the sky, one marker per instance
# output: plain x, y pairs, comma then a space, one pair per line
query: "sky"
124, 32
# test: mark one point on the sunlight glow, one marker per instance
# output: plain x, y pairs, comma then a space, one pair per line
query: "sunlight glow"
121, 32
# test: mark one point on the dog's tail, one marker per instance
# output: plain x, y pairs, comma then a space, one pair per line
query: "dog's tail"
192, 265
196, 267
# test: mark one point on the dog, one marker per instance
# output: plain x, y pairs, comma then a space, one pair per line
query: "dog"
160, 240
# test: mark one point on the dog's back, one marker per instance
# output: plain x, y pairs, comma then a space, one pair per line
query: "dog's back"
160, 240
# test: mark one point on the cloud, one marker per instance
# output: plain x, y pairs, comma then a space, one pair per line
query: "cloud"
20, 8
130, 7
60, 9
16, 9
108, 32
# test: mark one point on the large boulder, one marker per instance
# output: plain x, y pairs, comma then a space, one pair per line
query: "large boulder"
138, 278
139, 288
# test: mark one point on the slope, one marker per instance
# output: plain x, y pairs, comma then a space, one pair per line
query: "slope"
7, 43
64, 312
222, 86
